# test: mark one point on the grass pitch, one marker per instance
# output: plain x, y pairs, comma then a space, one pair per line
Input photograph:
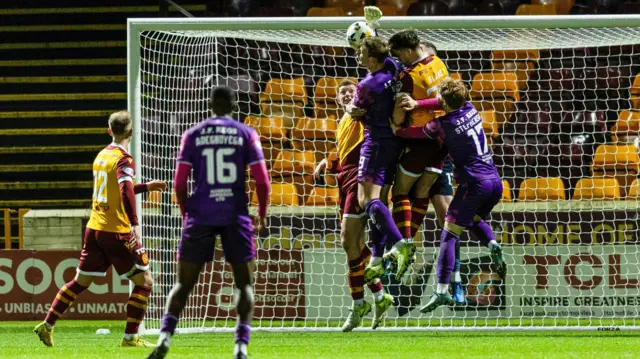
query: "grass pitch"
77, 339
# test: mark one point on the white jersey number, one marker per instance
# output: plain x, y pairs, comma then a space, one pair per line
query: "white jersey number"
476, 134
219, 171
99, 185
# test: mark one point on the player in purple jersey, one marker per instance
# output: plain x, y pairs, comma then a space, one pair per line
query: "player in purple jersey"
479, 185
378, 155
217, 150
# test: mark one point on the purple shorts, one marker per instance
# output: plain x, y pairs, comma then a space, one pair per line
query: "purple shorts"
378, 162
198, 242
474, 199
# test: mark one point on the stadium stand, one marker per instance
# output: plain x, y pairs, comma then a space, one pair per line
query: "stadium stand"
542, 189
597, 189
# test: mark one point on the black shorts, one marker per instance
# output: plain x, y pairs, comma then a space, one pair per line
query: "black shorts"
443, 186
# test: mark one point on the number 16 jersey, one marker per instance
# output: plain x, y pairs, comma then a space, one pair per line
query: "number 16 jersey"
112, 166
218, 151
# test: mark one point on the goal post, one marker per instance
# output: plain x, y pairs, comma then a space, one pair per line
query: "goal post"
560, 102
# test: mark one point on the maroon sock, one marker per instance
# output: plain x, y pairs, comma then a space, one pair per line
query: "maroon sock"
64, 299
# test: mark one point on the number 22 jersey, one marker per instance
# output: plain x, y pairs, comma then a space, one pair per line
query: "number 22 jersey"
218, 150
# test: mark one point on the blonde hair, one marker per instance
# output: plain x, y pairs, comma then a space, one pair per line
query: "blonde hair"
120, 122
453, 92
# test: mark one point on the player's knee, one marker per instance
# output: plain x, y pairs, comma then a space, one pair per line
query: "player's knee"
83, 279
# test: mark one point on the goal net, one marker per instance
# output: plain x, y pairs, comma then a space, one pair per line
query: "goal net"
560, 102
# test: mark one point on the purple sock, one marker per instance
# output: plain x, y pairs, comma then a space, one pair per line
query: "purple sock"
456, 267
382, 219
447, 257
169, 323
243, 332
482, 232
377, 240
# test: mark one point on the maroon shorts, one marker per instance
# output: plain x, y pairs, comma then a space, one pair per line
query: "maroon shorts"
348, 187
422, 156
104, 249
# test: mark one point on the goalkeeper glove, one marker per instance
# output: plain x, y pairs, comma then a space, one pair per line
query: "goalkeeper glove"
372, 14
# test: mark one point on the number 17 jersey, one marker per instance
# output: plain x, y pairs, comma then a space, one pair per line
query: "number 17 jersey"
218, 151
464, 137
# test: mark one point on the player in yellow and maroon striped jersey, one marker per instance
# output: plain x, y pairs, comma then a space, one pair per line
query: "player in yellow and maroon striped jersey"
112, 236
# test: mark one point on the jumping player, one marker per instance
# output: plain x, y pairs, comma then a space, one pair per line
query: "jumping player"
217, 150
422, 161
421, 178
479, 185
349, 140
378, 154
112, 236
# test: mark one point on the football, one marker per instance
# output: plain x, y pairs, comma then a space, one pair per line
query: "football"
357, 32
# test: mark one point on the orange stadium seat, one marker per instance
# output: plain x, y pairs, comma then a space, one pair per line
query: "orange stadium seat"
496, 91
295, 167
617, 161
515, 55
542, 189
315, 134
272, 135
455, 76
527, 9
634, 190
506, 192
627, 128
296, 162
635, 93
597, 189
387, 10
490, 124
325, 11
285, 98
282, 194
400, 6
322, 196
562, 6
521, 62
325, 95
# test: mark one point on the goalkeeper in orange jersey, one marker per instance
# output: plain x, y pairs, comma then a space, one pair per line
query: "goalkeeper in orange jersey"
112, 236
350, 138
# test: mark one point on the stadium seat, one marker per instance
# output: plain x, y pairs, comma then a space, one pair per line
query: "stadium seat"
490, 124
400, 6
562, 6
542, 189
526, 9
515, 55
496, 91
635, 93
295, 162
350, 7
315, 134
322, 196
295, 167
506, 192
325, 95
285, 98
326, 11
272, 135
634, 190
455, 76
428, 8
282, 194
618, 161
597, 189
627, 128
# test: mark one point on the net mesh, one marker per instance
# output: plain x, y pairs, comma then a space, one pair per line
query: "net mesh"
560, 108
